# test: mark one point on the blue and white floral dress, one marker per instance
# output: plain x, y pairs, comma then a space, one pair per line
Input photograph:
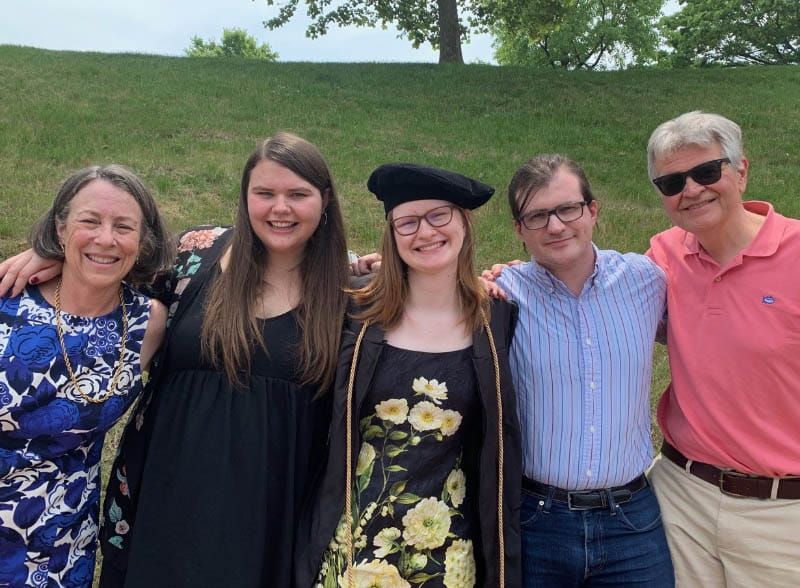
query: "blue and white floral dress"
51, 438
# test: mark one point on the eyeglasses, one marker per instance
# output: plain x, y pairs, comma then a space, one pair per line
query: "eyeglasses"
436, 217
566, 213
704, 174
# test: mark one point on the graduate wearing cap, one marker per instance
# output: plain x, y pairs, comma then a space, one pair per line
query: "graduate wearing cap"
423, 478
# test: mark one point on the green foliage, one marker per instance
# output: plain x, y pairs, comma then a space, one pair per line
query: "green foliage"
235, 43
734, 32
578, 34
417, 20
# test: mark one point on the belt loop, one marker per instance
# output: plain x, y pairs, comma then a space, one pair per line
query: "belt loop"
548, 500
612, 504
773, 495
688, 466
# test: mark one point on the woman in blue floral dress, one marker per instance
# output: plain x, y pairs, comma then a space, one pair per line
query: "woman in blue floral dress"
72, 353
422, 486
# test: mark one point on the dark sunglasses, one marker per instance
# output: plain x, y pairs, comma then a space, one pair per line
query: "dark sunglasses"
704, 174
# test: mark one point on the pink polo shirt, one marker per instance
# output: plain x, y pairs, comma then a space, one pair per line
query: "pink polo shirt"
734, 349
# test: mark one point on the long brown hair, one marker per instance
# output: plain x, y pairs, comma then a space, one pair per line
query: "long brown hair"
384, 298
230, 326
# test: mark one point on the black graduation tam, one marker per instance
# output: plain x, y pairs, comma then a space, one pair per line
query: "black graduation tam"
395, 183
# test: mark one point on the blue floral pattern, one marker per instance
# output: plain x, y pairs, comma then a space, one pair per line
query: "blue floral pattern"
51, 438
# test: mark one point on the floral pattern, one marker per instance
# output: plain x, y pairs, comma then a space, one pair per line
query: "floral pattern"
405, 535
51, 438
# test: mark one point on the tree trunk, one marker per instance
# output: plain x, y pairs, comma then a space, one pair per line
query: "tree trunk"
449, 32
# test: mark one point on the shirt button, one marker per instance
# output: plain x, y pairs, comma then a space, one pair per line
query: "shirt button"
592, 385
718, 279
588, 341
591, 429
588, 473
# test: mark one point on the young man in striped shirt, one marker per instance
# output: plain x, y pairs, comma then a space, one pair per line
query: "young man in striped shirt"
581, 362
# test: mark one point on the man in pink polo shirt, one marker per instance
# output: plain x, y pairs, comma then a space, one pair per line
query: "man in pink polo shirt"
728, 477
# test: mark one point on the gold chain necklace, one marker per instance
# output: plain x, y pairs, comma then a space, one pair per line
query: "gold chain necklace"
118, 371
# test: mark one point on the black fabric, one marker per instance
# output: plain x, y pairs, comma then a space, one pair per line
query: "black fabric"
395, 183
320, 522
227, 469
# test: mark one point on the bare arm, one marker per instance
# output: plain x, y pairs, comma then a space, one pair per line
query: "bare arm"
26, 268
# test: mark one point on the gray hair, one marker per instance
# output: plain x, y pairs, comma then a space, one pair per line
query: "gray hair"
156, 247
695, 128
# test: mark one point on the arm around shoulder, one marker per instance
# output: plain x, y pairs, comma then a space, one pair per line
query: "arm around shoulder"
156, 327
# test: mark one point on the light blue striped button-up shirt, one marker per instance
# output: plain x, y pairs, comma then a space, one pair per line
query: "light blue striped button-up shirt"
581, 368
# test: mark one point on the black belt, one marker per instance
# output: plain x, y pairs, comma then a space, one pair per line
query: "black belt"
735, 483
586, 499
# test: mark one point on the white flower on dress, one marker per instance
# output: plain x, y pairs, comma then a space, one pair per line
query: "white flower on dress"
451, 420
365, 458
456, 485
384, 540
459, 565
430, 388
394, 410
374, 574
427, 524
418, 561
425, 416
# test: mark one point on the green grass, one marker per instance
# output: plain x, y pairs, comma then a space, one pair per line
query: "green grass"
186, 127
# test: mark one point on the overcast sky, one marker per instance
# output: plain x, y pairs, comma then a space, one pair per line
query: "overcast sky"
165, 27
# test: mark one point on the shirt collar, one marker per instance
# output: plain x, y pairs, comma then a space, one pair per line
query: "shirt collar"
547, 280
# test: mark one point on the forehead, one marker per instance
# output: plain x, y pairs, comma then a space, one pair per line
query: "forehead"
271, 173
564, 187
687, 157
104, 198
417, 207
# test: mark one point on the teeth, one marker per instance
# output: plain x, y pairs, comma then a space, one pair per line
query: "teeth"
431, 246
698, 205
98, 259
281, 224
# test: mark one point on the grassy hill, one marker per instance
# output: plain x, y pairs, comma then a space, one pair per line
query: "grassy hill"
186, 127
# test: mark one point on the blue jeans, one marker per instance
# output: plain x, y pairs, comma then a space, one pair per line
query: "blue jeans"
620, 545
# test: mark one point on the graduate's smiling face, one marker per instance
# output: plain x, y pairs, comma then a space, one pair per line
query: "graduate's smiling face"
429, 234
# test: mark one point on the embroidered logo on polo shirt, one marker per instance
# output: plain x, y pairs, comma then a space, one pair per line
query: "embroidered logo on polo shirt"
768, 300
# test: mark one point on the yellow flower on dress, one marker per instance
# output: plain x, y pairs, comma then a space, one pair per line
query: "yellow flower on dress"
456, 485
384, 539
459, 565
394, 410
374, 574
425, 416
451, 420
426, 525
365, 457
430, 388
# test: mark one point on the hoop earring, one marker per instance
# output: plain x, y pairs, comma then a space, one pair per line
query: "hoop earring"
324, 218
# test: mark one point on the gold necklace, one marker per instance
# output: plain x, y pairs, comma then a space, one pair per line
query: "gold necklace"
118, 371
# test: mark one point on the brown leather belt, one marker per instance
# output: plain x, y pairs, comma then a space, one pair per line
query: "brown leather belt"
735, 483
586, 499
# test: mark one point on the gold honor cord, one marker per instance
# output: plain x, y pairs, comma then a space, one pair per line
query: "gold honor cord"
349, 459
117, 372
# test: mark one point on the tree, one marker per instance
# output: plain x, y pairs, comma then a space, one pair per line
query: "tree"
445, 24
577, 34
730, 32
235, 43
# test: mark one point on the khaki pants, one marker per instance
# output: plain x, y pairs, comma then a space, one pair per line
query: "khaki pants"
722, 541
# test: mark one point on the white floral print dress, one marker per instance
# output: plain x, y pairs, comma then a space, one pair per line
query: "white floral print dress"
414, 512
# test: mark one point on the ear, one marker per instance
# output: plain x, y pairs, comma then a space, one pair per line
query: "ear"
742, 175
326, 197
518, 230
60, 228
594, 207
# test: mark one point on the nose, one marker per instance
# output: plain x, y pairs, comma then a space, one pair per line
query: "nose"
554, 224
281, 204
105, 235
692, 188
